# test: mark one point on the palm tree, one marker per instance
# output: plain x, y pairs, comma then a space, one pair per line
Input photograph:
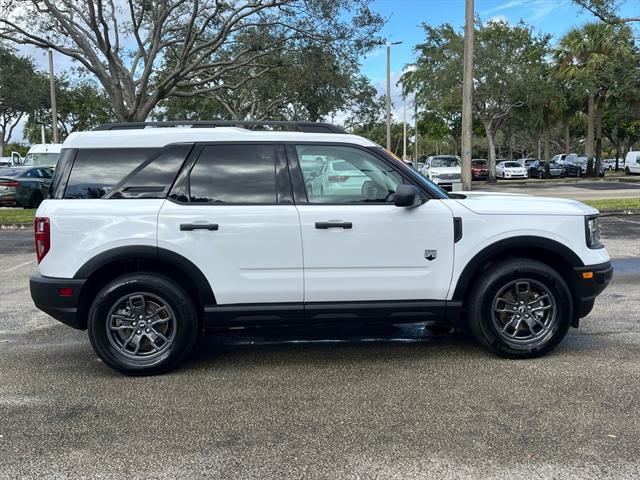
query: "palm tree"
584, 54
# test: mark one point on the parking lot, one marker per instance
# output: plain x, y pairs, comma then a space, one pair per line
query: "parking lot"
390, 403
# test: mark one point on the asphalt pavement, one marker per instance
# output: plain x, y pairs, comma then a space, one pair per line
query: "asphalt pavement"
386, 403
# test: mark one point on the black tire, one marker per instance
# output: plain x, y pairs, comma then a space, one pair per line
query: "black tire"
182, 331
627, 171
35, 200
482, 302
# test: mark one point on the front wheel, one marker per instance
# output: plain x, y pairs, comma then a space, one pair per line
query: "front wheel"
142, 324
627, 171
520, 308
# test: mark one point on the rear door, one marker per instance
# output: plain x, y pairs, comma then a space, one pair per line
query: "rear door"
358, 246
231, 213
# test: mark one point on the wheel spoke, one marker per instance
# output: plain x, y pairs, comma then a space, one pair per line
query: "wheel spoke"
122, 327
544, 297
140, 307
523, 290
542, 308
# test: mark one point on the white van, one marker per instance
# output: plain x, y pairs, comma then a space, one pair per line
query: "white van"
632, 163
43, 155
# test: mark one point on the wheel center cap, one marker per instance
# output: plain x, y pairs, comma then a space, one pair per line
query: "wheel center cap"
521, 310
141, 324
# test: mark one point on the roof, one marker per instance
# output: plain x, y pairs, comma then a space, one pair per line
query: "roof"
45, 148
160, 137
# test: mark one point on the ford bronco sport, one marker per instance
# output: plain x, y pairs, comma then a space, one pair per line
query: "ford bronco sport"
156, 233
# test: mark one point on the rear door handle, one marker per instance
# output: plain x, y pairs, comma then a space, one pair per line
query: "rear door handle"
327, 225
190, 227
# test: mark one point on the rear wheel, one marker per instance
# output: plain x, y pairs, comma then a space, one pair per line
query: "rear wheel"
520, 308
142, 324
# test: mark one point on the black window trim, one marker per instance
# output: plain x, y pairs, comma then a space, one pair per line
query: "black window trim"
62, 186
284, 195
297, 179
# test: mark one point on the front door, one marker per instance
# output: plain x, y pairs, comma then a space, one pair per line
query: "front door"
358, 246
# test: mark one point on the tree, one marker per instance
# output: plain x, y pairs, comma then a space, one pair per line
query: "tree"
81, 106
606, 10
588, 55
142, 52
507, 58
22, 90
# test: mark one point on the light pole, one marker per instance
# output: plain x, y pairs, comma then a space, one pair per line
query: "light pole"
404, 129
54, 107
415, 127
467, 95
389, 93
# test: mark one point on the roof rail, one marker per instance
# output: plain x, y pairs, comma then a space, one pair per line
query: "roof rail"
308, 127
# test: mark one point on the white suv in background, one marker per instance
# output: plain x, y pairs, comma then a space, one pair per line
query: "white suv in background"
153, 236
443, 170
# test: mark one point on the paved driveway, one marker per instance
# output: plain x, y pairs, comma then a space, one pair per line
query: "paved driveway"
387, 403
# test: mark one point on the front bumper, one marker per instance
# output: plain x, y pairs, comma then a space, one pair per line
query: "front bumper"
587, 289
45, 292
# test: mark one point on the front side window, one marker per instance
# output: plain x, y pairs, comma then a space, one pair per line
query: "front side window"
234, 174
339, 175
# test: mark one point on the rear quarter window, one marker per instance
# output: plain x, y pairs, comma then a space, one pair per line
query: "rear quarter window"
96, 171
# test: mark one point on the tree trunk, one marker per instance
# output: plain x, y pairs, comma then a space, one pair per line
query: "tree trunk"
590, 133
567, 138
546, 119
491, 147
1, 144
599, 111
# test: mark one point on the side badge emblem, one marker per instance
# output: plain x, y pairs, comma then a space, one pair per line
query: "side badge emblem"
430, 254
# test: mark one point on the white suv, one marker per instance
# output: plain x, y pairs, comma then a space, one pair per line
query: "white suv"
154, 235
443, 170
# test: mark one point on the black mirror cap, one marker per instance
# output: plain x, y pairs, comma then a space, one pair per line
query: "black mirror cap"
408, 196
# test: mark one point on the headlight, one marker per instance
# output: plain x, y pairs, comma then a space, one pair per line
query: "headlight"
592, 231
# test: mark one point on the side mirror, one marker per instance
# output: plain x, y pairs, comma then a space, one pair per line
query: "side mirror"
408, 196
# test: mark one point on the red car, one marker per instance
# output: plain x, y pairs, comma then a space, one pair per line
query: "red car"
479, 169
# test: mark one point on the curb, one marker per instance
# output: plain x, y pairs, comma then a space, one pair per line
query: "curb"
613, 213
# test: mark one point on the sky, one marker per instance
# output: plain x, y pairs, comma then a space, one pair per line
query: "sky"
404, 20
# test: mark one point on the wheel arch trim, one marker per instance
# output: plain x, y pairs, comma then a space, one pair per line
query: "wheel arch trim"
504, 245
205, 293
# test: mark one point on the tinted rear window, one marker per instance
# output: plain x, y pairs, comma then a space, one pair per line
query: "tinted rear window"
96, 171
234, 174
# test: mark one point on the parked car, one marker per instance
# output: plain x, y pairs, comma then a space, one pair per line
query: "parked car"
562, 157
24, 186
243, 243
538, 169
479, 169
43, 155
443, 170
15, 160
577, 167
526, 162
338, 179
632, 163
510, 169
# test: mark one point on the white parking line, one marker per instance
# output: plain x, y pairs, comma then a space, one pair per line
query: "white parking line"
18, 266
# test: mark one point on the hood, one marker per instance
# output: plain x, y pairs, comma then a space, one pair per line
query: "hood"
492, 203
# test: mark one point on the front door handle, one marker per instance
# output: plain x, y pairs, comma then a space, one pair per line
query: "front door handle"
190, 227
327, 225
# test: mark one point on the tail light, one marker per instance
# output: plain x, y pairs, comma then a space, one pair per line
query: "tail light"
12, 183
43, 237
338, 178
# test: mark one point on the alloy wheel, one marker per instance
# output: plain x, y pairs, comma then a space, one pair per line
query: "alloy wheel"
524, 312
141, 326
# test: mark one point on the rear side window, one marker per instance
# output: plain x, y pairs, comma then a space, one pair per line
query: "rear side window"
234, 174
96, 171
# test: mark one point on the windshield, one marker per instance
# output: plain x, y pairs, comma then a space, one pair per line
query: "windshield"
446, 162
512, 165
41, 159
479, 163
